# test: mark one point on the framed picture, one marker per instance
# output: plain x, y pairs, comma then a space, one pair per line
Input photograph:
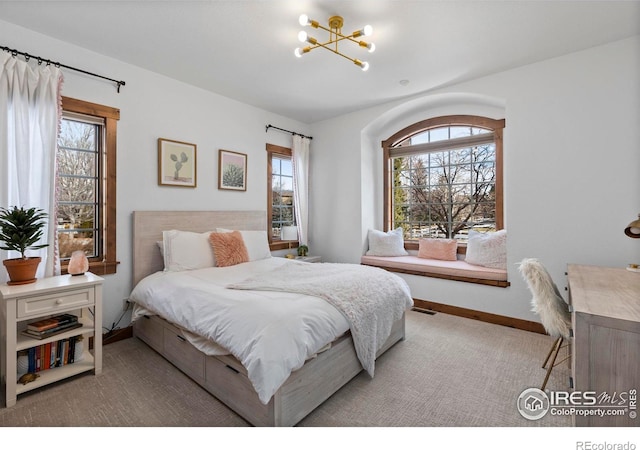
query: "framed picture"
232, 170
176, 163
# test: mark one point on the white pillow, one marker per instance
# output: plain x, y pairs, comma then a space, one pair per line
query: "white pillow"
390, 243
256, 242
186, 250
487, 249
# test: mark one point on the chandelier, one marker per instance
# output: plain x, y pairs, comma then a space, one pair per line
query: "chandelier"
335, 36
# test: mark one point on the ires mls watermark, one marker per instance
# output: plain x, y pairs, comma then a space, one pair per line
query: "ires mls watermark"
534, 404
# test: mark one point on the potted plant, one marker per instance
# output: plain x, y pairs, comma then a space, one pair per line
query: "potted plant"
20, 229
303, 250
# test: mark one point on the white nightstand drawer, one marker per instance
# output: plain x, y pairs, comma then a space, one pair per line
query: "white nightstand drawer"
50, 304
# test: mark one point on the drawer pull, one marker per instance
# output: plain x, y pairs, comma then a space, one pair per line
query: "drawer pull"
59, 301
181, 338
231, 368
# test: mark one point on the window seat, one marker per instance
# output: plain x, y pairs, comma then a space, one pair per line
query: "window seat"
451, 270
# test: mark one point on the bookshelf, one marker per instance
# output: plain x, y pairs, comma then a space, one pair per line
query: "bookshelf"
21, 304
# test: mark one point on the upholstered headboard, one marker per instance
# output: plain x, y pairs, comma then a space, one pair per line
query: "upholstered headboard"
149, 225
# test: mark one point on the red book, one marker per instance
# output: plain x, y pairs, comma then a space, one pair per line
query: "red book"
47, 356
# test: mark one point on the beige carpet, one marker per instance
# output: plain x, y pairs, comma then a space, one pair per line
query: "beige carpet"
449, 371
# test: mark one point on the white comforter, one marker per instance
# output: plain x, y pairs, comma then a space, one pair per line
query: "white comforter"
270, 333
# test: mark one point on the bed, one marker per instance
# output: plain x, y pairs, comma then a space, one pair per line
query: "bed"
219, 367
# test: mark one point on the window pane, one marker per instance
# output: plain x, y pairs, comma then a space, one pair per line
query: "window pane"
76, 162
421, 138
286, 167
77, 135
76, 189
458, 132
439, 134
76, 227
275, 165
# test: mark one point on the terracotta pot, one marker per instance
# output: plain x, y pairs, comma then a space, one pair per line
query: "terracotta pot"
22, 271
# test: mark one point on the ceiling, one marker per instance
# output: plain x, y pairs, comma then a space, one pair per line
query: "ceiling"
243, 49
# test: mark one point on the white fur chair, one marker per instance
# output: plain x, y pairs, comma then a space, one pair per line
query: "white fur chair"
550, 306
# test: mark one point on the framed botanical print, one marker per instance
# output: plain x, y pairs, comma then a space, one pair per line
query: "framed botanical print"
176, 163
232, 170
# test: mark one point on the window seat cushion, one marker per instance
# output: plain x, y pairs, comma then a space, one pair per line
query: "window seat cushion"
455, 270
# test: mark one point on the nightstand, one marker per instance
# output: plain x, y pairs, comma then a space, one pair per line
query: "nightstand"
309, 259
21, 304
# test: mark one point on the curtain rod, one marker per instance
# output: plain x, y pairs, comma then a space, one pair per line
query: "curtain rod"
286, 131
27, 56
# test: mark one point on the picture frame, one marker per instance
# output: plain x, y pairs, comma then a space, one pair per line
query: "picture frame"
232, 170
177, 163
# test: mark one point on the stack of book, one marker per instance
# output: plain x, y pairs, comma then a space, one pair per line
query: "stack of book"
53, 354
50, 326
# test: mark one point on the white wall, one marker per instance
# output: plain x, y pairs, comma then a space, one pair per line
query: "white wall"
572, 159
153, 106
572, 169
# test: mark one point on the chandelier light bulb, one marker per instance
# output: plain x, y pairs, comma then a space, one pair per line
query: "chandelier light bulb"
371, 47
298, 52
302, 36
367, 30
303, 20
362, 64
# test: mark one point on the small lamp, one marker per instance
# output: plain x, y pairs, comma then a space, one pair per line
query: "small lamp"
78, 264
289, 233
633, 229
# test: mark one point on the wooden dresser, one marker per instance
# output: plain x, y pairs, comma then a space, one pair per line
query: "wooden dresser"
605, 304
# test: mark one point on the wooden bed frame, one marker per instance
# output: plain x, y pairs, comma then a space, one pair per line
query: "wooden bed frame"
224, 376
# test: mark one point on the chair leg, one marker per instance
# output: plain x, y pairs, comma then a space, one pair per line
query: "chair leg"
557, 345
553, 347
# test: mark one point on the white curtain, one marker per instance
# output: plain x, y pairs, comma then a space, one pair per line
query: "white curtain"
30, 114
300, 157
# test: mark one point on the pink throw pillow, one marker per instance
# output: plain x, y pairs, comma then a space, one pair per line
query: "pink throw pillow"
442, 249
228, 248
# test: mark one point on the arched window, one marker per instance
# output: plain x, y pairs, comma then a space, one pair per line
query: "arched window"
443, 177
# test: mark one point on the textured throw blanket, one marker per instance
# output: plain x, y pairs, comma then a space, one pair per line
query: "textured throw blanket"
371, 299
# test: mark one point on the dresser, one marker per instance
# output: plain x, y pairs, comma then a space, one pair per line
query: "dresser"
605, 308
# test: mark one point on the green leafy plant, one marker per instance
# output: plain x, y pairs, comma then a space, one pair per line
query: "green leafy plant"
303, 250
21, 228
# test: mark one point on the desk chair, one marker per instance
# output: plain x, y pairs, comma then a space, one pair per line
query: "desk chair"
550, 306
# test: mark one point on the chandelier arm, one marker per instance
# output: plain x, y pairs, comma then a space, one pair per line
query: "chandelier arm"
325, 45
330, 42
350, 38
329, 30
